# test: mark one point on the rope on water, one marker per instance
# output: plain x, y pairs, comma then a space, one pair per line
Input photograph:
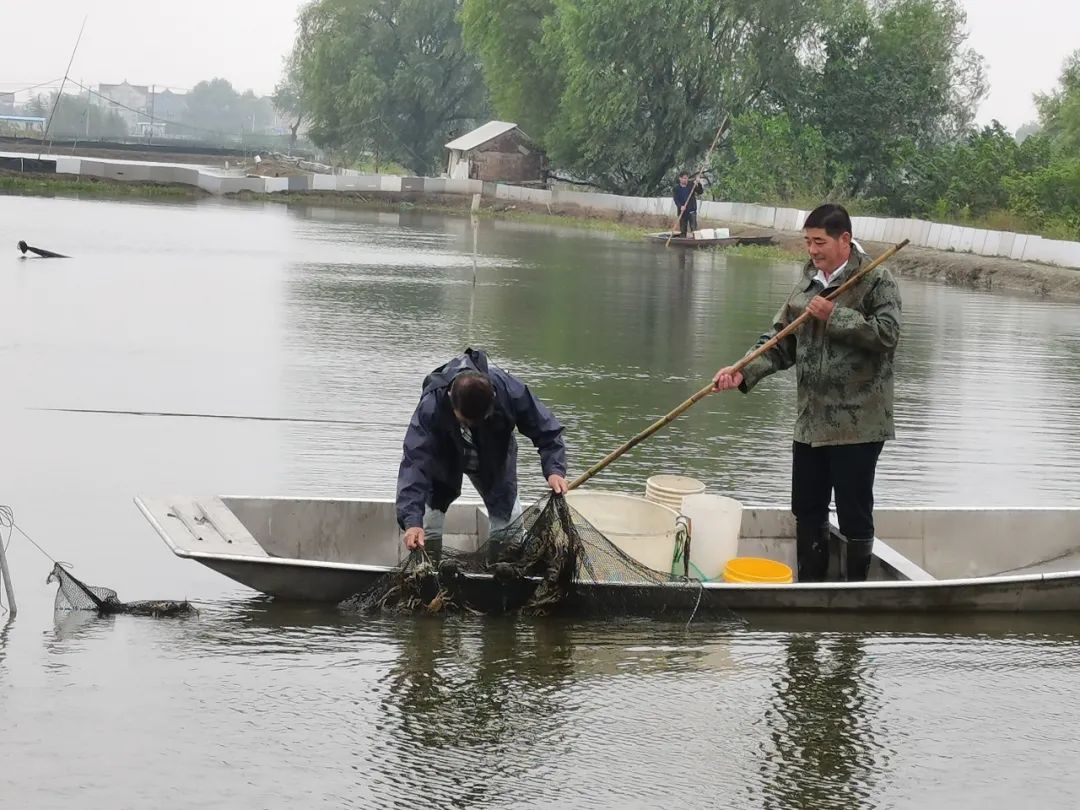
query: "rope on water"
7, 521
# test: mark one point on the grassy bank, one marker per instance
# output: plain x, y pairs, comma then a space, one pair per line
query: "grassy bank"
45, 184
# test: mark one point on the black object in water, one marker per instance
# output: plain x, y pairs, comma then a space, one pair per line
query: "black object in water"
73, 594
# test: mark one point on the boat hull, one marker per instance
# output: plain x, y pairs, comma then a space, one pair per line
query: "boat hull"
325, 551
302, 581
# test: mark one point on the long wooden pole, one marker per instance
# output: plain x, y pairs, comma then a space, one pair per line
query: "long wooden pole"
693, 184
708, 389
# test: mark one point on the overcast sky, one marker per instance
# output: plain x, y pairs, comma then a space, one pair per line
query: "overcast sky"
178, 44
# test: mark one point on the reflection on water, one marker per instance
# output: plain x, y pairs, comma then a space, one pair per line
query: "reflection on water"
314, 313
822, 727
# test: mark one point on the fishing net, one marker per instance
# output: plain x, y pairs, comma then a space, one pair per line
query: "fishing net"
550, 560
74, 594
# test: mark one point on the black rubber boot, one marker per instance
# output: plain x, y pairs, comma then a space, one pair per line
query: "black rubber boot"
858, 557
812, 552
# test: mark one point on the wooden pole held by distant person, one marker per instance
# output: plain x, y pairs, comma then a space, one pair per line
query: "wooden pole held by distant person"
694, 182
748, 358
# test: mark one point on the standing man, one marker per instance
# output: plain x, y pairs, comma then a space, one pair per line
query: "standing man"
685, 195
464, 425
843, 358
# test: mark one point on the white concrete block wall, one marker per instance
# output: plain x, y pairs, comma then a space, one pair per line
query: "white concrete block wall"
389, 182
1019, 246
69, 165
725, 211
1059, 252
209, 183
1005, 245
1033, 249
967, 239
934, 235
457, 187
324, 182
709, 210
785, 219
274, 184
860, 227
991, 244
922, 233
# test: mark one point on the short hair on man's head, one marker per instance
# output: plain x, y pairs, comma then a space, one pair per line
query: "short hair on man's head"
684, 174
471, 395
830, 217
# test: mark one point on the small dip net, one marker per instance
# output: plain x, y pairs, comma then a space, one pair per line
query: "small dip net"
549, 560
74, 594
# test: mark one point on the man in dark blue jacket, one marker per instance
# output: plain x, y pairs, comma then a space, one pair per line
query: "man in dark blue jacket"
464, 425
686, 195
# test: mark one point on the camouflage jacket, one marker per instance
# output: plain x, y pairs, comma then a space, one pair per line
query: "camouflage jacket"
844, 366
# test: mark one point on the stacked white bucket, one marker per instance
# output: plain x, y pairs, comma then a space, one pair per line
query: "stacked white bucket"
647, 528
715, 521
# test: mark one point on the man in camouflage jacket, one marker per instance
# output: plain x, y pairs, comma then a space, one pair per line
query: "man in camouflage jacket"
843, 358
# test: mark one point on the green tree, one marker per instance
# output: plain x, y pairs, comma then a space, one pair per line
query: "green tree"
76, 117
771, 160
895, 80
389, 75
288, 100
643, 99
521, 70
1059, 111
214, 106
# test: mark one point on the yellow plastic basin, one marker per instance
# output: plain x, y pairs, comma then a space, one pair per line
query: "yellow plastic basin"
757, 570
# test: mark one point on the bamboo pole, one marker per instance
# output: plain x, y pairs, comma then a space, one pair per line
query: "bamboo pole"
708, 389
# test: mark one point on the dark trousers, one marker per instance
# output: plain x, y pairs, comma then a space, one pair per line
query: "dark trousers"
688, 218
816, 474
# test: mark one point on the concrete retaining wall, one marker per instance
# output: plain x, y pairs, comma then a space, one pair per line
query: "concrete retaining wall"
935, 235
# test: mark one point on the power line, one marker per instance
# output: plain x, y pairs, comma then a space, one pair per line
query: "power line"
49, 83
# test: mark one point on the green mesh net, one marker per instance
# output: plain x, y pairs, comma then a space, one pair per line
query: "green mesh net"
551, 560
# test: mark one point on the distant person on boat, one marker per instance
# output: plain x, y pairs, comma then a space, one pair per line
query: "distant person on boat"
464, 425
683, 196
843, 358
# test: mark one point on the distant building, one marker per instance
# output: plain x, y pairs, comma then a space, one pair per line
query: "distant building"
7, 103
130, 101
498, 151
23, 123
167, 106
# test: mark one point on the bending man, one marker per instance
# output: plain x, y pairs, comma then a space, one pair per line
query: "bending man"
464, 425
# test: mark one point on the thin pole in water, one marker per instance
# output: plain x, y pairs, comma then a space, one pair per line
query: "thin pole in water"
5, 574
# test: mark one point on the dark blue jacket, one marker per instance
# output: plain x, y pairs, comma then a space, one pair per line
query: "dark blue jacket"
432, 464
682, 192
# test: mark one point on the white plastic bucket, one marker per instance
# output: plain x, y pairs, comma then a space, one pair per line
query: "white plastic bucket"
715, 523
670, 490
643, 529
